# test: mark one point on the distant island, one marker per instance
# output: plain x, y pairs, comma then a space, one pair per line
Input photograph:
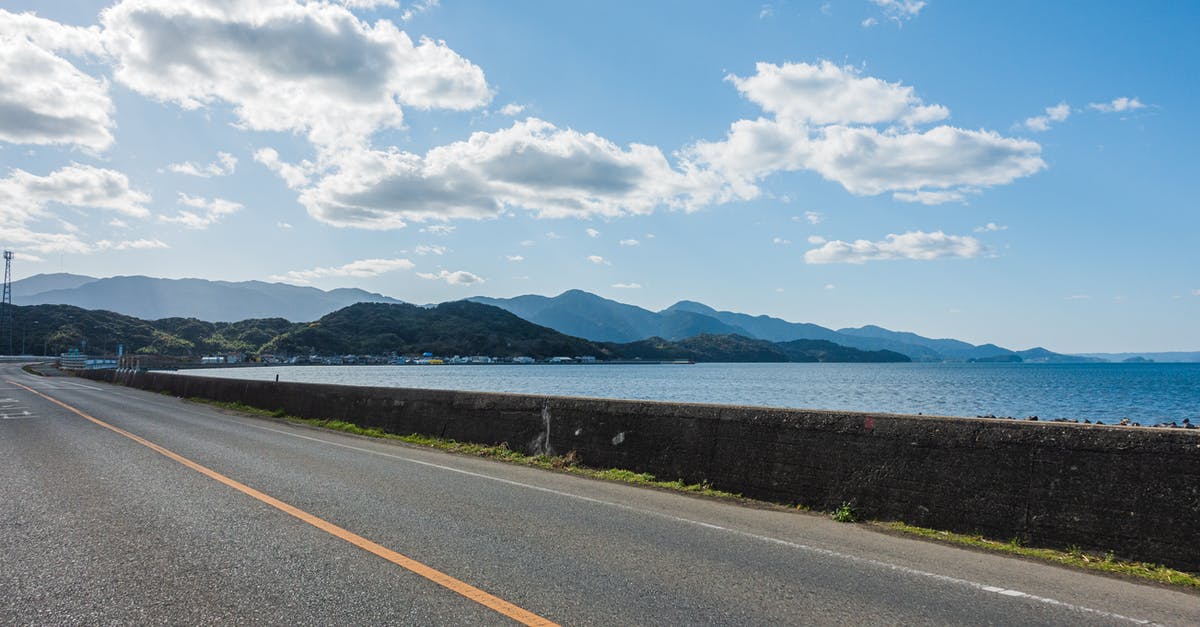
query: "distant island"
386, 333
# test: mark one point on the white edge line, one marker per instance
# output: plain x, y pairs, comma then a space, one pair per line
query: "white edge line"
793, 545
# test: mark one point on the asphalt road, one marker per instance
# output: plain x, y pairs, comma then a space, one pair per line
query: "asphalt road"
96, 527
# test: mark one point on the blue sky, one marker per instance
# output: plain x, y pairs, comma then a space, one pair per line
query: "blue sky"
1011, 172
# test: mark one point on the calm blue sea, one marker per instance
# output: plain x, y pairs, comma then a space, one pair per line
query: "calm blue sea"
1146, 393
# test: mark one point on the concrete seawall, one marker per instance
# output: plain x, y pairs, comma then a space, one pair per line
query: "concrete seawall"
1132, 491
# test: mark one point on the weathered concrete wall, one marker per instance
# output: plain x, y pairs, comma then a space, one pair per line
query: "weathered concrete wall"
1129, 490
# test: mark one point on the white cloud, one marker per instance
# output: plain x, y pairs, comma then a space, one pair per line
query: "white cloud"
824, 122
311, 67
460, 277
598, 260
779, 241
912, 245
209, 211
927, 197
830, 286
900, 10
50, 35
416, 8
765, 11
358, 269
814, 217
627, 286
139, 244
629, 242
424, 249
118, 223
27, 243
512, 109
296, 175
225, 165
816, 240
369, 4
533, 164
439, 229
1118, 105
25, 196
990, 227
827, 93
593, 233
869, 22
1057, 113
283, 225
1079, 297
1195, 292
44, 99
514, 258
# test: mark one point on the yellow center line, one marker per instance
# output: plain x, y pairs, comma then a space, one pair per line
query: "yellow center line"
467, 590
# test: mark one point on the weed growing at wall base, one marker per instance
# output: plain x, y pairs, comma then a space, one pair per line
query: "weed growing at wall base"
845, 514
1072, 556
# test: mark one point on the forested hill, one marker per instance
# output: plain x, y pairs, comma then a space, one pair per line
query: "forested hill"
455, 328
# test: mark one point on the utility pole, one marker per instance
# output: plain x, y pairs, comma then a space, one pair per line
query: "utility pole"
6, 316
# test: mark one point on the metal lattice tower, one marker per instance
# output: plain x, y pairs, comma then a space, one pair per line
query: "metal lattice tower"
6, 312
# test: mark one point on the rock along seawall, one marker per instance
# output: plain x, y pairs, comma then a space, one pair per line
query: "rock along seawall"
1133, 491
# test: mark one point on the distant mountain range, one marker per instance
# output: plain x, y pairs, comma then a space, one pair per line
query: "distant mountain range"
574, 313
599, 319
151, 299
455, 328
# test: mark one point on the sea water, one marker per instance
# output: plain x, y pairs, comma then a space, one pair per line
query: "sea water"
1109, 392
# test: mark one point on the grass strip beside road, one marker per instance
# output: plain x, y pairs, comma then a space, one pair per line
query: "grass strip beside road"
1072, 558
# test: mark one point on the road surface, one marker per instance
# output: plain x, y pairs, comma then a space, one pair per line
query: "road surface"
123, 506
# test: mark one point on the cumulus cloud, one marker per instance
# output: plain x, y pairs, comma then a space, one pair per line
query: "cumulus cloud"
1118, 105
592, 233
842, 125
912, 245
827, 93
1057, 113
223, 166
312, 67
514, 258
25, 196
425, 249
533, 164
629, 242
459, 277
627, 286
598, 260
779, 241
512, 109
358, 269
44, 98
816, 240
202, 212
990, 227
439, 229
